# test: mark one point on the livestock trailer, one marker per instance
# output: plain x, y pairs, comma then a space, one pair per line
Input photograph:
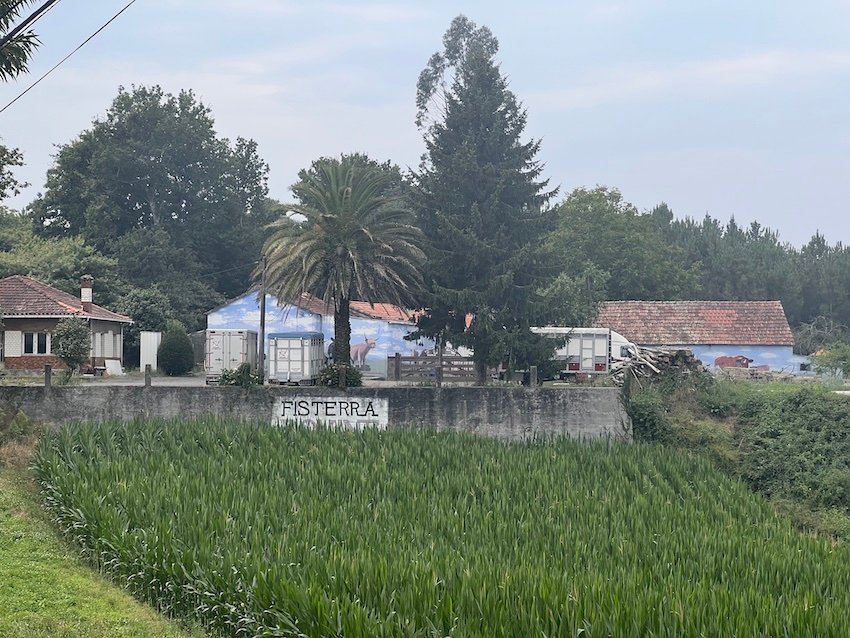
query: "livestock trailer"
227, 350
296, 357
586, 350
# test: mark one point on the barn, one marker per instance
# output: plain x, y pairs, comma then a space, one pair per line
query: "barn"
379, 329
752, 334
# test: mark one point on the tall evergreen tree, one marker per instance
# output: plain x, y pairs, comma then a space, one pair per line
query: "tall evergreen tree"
480, 200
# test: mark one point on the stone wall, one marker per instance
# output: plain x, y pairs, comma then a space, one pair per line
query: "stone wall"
514, 413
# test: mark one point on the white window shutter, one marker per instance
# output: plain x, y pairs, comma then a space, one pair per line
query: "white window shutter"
14, 343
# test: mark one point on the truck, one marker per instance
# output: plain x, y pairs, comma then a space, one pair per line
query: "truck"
296, 358
227, 350
586, 350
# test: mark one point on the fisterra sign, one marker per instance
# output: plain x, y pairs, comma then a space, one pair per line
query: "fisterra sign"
349, 413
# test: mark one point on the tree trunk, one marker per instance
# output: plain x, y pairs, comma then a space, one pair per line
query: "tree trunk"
342, 336
480, 373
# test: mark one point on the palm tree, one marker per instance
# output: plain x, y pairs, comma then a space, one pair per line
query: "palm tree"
356, 242
16, 51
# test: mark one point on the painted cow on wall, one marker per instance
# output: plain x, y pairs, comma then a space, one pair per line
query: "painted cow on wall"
359, 352
738, 361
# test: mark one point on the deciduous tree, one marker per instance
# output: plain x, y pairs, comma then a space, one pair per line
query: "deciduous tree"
153, 183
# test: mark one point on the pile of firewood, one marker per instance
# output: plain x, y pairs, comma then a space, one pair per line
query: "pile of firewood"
649, 363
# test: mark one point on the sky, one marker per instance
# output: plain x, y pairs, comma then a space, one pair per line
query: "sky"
724, 108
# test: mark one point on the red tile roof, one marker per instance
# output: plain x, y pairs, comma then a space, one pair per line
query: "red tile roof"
384, 311
362, 309
698, 322
22, 296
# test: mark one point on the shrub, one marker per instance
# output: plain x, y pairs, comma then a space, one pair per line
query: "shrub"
330, 376
834, 359
16, 427
72, 342
243, 376
649, 416
175, 354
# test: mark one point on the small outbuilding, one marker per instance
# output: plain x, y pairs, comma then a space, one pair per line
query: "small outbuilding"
722, 334
31, 309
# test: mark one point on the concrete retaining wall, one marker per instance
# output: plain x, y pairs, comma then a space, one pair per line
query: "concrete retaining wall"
500, 412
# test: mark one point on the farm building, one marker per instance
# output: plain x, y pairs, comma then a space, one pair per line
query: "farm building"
377, 330
752, 334
31, 309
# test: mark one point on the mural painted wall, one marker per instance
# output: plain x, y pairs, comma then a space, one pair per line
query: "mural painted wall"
243, 313
776, 358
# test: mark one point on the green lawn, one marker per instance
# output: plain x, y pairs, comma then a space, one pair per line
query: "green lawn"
45, 591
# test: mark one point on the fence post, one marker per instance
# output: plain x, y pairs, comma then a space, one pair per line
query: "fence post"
48, 373
439, 377
147, 375
397, 367
532, 376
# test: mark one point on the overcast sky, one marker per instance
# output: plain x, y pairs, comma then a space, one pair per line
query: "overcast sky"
722, 107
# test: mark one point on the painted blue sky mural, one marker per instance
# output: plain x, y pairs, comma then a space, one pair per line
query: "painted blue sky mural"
243, 313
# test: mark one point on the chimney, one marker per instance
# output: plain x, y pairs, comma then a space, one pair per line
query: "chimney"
85, 292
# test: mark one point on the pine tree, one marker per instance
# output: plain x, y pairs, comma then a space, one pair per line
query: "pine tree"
481, 202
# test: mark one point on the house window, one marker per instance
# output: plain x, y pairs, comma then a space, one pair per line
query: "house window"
36, 343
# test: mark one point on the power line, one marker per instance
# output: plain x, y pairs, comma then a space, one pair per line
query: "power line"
30, 20
13, 7
58, 64
220, 272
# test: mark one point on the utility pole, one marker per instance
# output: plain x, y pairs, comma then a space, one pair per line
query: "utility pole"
262, 344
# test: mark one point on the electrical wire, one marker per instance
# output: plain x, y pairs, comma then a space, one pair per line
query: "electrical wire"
13, 7
28, 22
58, 64
44, 13
220, 272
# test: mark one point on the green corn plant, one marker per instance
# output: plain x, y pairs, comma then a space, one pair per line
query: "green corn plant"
264, 531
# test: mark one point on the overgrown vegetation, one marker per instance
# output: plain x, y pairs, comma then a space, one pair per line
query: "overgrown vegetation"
787, 442
244, 376
419, 533
18, 435
329, 375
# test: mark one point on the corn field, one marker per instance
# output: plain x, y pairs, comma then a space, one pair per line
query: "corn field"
262, 531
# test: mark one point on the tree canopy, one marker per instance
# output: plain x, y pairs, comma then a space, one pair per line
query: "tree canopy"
598, 227
72, 342
480, 200
152, 185
356, 242
16, 53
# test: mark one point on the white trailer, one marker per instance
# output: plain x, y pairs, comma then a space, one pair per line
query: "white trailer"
227, 350
587, 350
296, 357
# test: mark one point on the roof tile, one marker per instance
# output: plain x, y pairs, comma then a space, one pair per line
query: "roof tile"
698, 322
20, 295
362, 309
